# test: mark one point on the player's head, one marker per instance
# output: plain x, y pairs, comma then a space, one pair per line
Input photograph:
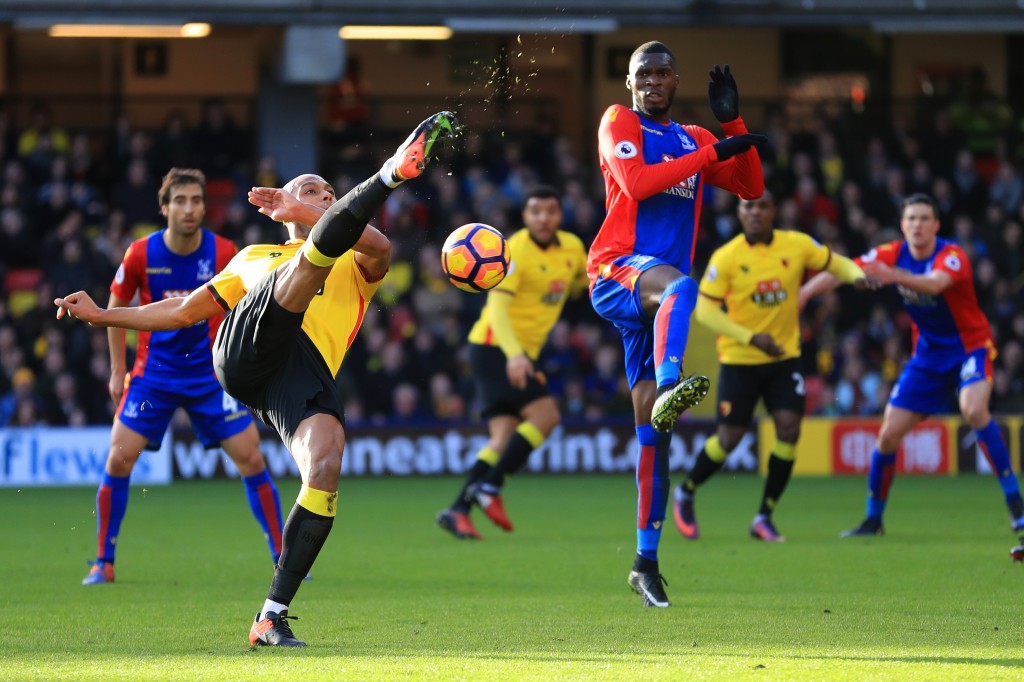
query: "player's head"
309, 189
757, 217
919, 221
653, 80
182, 198
542, 213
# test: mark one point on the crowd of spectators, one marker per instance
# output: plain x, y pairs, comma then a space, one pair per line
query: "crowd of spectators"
72, 201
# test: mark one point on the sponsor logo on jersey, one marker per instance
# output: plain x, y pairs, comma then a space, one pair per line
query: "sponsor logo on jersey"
769, 293
176, 293
159, 271
119, 276
952, 262
712, 273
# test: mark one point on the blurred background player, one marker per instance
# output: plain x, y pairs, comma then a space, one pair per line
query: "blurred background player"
953, 352
174, 369
757, 276
655, 171
547, 264
294, 310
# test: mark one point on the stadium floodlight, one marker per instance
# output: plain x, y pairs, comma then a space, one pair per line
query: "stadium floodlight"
395, 32
190, 30
525, 25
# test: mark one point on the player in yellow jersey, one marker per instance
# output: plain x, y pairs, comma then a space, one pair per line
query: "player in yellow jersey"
757, 276
293, 309
547, 263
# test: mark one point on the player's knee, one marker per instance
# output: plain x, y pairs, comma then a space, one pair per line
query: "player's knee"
788, 434
976, 415
685, 289
324, 470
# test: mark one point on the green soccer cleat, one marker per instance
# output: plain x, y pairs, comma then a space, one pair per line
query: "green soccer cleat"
669, 405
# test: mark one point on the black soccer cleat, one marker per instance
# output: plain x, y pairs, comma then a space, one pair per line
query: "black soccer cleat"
650, 587
273, 630
869, 526
1017, 553
669, 405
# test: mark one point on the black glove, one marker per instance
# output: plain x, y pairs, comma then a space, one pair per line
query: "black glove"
723, 96
737, 144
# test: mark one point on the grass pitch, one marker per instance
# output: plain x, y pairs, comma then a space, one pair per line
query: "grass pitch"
395, 597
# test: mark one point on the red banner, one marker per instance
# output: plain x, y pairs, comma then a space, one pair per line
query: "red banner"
925, 450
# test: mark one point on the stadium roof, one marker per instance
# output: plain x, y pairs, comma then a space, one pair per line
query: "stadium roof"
581, 16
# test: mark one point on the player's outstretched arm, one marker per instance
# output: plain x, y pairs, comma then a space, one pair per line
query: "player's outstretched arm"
165, 315
822, 283
932, 284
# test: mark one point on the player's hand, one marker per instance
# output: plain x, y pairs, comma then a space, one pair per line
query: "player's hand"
115, 387
881, 272
723, 96
275, 203
78, 305
868, 283
737, 144
519, 369
766, 344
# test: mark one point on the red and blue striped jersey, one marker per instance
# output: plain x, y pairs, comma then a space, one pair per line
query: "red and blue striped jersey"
156, 273
951, 323
654, 175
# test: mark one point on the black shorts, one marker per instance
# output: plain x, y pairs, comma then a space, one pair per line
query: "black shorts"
263, 359
780, 384
497, 395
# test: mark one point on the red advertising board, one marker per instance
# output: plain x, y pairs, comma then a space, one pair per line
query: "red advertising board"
925, 450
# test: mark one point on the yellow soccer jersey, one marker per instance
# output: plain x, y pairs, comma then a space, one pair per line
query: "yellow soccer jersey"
759, 284
539, 281
335, 313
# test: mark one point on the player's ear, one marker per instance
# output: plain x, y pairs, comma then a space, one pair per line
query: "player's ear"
163, 210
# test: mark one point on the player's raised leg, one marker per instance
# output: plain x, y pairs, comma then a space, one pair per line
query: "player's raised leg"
676, 301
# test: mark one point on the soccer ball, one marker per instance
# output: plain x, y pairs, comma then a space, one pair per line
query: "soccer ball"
475, 257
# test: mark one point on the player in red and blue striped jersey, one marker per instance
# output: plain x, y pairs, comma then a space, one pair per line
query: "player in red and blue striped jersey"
174, 369
953, 352
639, 264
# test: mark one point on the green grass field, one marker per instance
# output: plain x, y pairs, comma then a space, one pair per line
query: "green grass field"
393, 597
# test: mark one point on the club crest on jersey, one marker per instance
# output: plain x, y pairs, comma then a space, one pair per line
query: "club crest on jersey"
204, 269
626, 150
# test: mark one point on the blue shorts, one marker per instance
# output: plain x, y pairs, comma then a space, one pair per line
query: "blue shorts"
616, 298
147, 406
930, 384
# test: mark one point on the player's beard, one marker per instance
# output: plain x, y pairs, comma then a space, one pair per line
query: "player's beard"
653, 112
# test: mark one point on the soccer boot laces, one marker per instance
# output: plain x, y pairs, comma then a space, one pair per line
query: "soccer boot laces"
273, 630
650, 587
